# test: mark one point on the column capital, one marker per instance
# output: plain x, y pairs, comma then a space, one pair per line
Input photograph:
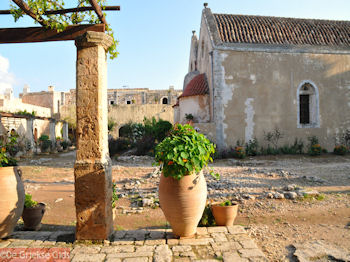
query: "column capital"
91, 38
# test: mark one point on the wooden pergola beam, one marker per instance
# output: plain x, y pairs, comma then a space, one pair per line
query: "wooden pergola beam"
29, 12
98, 11
69, 10
41, 34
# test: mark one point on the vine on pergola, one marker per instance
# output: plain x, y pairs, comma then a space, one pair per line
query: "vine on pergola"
59, 22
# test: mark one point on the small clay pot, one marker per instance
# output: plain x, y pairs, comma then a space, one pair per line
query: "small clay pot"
32, 217
224, 215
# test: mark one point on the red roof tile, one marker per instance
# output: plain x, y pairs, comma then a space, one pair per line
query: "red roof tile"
197, 86
279, 30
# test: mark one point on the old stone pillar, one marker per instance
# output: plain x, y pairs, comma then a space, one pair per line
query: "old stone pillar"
92, 170
65, 131
53, 133
30, 133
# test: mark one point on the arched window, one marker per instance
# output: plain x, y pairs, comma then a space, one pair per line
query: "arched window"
202, 47
165, 101
308, 105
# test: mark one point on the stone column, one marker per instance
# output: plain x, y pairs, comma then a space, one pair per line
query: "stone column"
53, 133
30, 133
92, 169
65, 131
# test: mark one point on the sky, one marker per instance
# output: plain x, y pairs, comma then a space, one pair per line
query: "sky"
154, 41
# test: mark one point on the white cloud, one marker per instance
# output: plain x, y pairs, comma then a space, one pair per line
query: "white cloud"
7, 79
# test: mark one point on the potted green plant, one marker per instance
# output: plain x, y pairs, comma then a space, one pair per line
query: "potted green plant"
183, 189
33, 213
11, 188
225, 213
189, 118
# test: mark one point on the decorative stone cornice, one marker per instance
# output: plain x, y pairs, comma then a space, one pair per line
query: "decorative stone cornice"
92, 38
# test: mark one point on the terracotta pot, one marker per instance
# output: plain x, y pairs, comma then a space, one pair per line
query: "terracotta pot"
224, 215
32, 216
183, 202
11, 199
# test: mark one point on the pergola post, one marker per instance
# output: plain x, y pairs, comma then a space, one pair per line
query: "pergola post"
92, 169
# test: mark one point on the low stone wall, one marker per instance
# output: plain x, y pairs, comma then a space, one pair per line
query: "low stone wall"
123, 114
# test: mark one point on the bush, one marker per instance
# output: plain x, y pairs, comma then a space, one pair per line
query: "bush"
118, 145
251, 148
45, 145
314, 147
207, 219
145, 146
238, 152
64, 145
43, 137
340, 150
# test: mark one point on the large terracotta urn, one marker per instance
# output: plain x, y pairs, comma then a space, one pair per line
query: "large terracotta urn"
11, 199
183, 202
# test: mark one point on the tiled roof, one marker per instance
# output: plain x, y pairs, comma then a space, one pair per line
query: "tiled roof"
279, 30
197, 86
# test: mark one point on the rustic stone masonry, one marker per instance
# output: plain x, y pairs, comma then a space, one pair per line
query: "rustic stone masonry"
92, 169
153, 245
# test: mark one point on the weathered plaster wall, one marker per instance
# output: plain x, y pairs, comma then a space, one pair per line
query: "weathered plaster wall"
123, 114
257, 92
15, 105
198, 106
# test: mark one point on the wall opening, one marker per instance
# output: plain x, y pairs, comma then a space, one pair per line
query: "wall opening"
308, 105
165, 101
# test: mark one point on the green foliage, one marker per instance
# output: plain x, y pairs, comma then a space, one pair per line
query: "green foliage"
183, 152
8, 149
314, 148
43, 137
61, 21
111, 125
226, 203
189, 117
114, 195
207, 219
238, 152
273, 137
252, 147
64, 145
26, 113
340, 150
29, 202
118, 145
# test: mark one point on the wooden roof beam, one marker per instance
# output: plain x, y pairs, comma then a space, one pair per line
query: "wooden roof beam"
69, 10
98, 11
41, 34
29, 12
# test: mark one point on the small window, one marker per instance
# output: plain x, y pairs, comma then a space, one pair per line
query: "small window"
112, 102
165, 101
128, 102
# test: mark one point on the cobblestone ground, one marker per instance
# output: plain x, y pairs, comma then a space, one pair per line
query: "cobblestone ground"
210, 244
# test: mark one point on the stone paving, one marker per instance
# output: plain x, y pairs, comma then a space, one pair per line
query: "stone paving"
211, 244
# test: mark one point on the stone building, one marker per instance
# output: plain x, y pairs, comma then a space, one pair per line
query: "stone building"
48, 99
264, 73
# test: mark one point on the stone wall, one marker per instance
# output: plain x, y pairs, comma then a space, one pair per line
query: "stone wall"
198, 106
15, 105
251, 99
123, 114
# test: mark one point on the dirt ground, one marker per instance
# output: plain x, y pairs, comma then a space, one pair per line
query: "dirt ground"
275, 224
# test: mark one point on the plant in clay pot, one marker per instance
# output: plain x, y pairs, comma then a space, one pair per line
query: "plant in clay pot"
189, 118
11, 187
225, 213
182, 189
33, 213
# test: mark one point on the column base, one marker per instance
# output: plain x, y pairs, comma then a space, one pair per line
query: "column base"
93, 200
